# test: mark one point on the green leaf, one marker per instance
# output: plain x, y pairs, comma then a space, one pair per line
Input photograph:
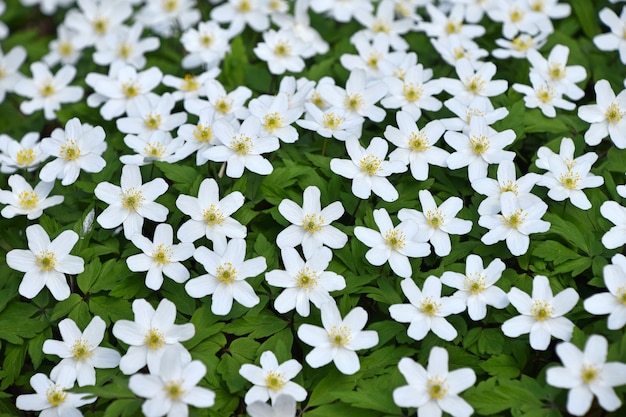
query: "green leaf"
553, 251
15, 324
340, 410
330, 388
501, 365
567, 230
110, 309
89, 276
123, 408
178, 173
587, 16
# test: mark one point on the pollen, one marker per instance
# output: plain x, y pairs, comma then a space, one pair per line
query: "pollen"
331, 120
370, 164
537, 6
25, 157
545, 93
272, 121
613, 113
206, 40
66, 48
509, 186
437, 387
381, 26
339, 336
242, 145
412, 91
373, 59
312, 223
213, 216
132, 199
124, 50
399, 73
47, 89
317, 99
28, 200
100, 25
306, 278
189, 83
435, 218
81, 350
523, 42
395, 239
169, 5
203, 133
275, 380
588, 374
224, 105
541, 310
45, 260
353, 102
453, 26
459, 52
557, 71
471, 112
515, 220
154, 150
56, 395
474, 283
475, 84
70, 151
226, 273
479, 145
516, 14
282, 49
418, 142
152, 121
174, 390
244, 6
154, 339
163, 254
430, 307
621, 295
570, 180
130, 90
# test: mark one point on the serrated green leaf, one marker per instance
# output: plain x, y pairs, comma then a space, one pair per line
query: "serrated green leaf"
256, 326
501, 365
553, 251
123, 408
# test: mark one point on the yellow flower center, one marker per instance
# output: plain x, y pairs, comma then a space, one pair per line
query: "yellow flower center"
353, 102
169, 5
47, 89
100, 25
152, 121
537, 6
206, 40
399, 73
541, 310
437, 387
25, 156
163, 254
213, 216
244, 6
124, 50
203, 133
154, 339
312, 223
613, 113
226, 273
435, 218
70, 151
418, 142
402, 10
132, 199
56, 395
453, 26
523, 42
272, 121
475, 84
28, 200
241, 145
474, 283
459, 52
588, 374
373, 58
275, 381
395, 239
130, 90
515, 220
509, 186
174, 390
430, 307
81, 350
282, 49
306, 278
339, 336
545, 93
66, 48
516, 14
381, 26
370, 164
223, 105
318, 101
570, 180
557, 71
471, 112
154, 150
479, 144
331, 120
412, 91
46, 260
621, 295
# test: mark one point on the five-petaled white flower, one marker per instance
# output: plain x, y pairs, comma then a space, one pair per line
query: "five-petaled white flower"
24, 199
613, 302
542, 314
151, 334
80, 350
606, 116
427, 309
45, 263
587, 374
272, 379
434, 389
284, 406
338, 339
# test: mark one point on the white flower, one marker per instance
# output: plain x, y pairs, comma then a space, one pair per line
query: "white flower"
587, 374
371, 54
25, 154
281, 50
207, 45
242, 148
130, 203
442, 26
230, 105
368, 170
519, 218
151, 334
167, 17
338, 339
210, 216
520, 46
226, 277
272, 379
541, 315
173, 387
606, 116
333, 122
189, 86
516, 16
555, 71
251, 14
436, 223
616, 236
52, 398
276, 117
300, 24
198, 138
150, 114
435, 389
476, 287
158, 146
67, 48
613, 302
124, 45
23, 199
160, 257
95, 19
543, 95
304, 281
413, 92
80, 350
473, 83
566, 153
311, 225
392, 244
454, 48
45, 263
343, 11
78, 147
479, 148
478, 107
10, 64
613, 41
427, 309
415, 147
385, 22
284, 406
46, 91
